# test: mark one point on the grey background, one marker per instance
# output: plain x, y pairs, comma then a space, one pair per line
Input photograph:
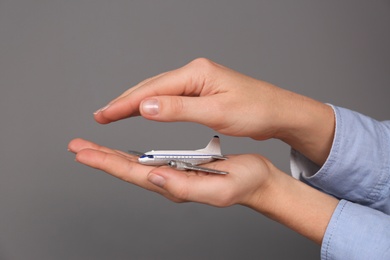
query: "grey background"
62, 60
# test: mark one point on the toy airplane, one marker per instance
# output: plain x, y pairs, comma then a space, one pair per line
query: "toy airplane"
185, 159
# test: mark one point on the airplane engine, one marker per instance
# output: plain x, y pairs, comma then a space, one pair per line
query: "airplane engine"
177, 165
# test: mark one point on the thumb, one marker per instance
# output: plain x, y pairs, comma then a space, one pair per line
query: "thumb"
181, 187
175, 183
178, 108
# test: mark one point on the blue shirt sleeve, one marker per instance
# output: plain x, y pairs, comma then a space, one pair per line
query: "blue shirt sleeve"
357, 171
357, 232
358, 166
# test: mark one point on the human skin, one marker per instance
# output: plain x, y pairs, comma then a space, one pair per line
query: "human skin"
205, 92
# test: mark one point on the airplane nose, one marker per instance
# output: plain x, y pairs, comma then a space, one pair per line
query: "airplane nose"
146, 159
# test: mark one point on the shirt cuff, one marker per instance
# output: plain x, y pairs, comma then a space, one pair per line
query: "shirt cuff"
356, 232
357, 168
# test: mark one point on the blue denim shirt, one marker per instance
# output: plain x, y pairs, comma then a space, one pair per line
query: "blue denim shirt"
357, 172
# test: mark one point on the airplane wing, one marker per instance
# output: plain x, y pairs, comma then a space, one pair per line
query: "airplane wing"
135, 153
219, 157
204, 169
186, 166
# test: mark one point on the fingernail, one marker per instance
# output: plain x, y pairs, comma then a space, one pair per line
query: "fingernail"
150, 107
101, 109
157, 180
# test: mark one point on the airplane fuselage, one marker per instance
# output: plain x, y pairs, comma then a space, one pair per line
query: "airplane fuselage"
156, 158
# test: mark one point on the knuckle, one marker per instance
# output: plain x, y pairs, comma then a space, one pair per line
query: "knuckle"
203, 64
200, 73
176, 105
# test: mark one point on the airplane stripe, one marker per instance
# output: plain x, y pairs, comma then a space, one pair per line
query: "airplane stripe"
194, 155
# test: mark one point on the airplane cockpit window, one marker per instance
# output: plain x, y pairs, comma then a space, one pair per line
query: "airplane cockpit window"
147, 156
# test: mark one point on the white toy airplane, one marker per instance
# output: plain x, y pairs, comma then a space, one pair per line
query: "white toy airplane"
185, 159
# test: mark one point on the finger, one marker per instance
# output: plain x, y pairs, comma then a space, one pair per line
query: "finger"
186, 81
116, 166
115, 163
128, 105
130, 90
79, 144
203, 110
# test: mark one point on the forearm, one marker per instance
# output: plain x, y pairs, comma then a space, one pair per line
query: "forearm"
306, 125
295, 205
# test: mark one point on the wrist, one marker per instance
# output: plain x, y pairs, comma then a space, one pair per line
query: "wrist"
262, 199
307, 126
295, 205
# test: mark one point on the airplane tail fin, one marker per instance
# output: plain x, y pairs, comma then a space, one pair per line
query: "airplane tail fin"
214, 146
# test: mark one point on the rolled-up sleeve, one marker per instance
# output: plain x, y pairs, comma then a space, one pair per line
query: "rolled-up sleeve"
358, 166
357, 171
357, 232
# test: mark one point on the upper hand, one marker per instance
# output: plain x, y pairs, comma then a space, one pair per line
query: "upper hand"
207, 93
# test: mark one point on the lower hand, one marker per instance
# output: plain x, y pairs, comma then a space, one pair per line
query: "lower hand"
248, 176
252, 181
